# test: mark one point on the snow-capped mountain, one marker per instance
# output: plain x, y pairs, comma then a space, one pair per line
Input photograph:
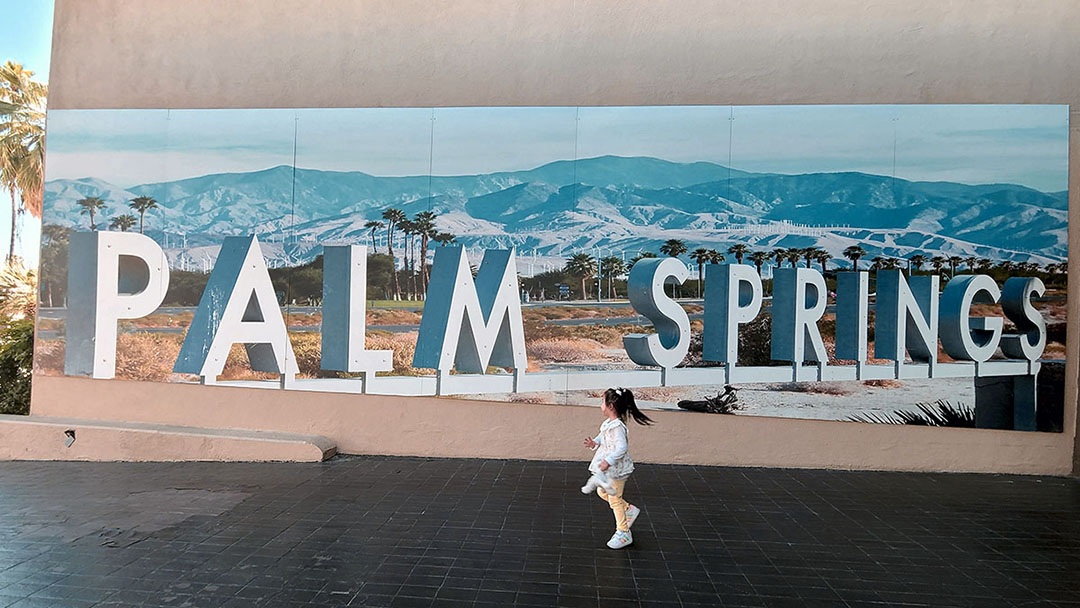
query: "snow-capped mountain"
606, 203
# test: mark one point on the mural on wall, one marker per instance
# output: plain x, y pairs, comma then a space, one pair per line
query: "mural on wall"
701, 254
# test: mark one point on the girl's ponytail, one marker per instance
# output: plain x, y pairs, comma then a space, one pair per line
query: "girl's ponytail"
622, 401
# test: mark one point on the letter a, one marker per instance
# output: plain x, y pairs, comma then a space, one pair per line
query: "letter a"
237, 306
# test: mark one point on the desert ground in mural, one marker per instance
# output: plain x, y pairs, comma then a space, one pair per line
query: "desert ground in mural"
558, 337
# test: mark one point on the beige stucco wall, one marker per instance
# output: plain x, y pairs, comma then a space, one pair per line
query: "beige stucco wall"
334, 53
430, 426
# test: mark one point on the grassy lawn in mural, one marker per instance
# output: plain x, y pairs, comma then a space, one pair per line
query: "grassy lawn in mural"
581, 194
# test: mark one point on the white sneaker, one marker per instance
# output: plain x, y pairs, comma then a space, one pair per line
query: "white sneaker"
620, 539
631, 515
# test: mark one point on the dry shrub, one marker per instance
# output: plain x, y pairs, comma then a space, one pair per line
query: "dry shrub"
50, 324
609, 335
883, 383
388, 316
659, 393
49, 357
307, 346
180, 319
531, 398
238, 367
564, 350
838, 389
403, 345
304, 320
146, 356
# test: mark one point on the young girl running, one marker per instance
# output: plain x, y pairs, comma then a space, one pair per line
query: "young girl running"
613, 459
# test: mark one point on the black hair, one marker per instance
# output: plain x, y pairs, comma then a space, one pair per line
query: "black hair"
622, 401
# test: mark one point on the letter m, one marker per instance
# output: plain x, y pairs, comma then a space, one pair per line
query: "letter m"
470, 324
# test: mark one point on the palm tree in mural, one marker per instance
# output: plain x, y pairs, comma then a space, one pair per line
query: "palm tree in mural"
22, 142
581, 265
953, 261
739, 250
854, 253
822, 257
424, 223
779, 255
701, 256
444, 238
123, 222
811, 254
970, 262
937, 262
405, 225
392, 217
643, 255
916, 261
673, 248
759, 259
372, 226
715, 257
793, 255
90, 206
142, 204
984, 264
884, 263
612, 267
1030, 268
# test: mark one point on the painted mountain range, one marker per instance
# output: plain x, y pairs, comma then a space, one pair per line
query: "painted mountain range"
611, 203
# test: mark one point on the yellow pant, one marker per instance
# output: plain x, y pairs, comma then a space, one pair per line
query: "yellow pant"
618, 505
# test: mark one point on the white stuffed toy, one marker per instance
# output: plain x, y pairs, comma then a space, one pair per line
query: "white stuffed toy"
599, 479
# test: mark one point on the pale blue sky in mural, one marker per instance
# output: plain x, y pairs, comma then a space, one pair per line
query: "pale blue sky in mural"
970, 144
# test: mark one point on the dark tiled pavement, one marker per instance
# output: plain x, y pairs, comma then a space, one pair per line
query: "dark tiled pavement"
413, 532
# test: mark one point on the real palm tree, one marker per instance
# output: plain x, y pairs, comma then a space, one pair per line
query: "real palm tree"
738, 250
702, 257
392, 217
123, 222
581, 265
760, 258
372, 226
90, 206
22, 141
142, 204
673, 248
18, 291
612, 267
854, 253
